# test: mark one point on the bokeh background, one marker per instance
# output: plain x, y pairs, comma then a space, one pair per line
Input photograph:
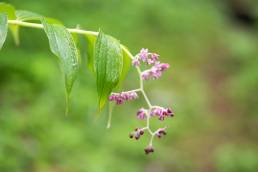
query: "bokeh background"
212, 46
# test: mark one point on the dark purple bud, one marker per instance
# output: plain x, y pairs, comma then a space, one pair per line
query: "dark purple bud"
131, 135
141, 132
119, 101
137, 137
160, 132
148, 150
170, 112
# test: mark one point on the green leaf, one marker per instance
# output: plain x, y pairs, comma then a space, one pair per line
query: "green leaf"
126, 66
10, 11
91, 39
108, 61
23, 15
64, 47
3, 29
52, 21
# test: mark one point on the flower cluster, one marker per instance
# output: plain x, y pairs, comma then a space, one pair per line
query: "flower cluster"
154, 72
158, 111
161, 112
146, 57
138, 132
120, 98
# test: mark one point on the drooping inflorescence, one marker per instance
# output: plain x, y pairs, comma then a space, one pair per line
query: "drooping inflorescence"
144, 57
107, 58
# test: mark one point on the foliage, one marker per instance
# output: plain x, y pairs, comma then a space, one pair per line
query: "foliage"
108, 56
108, 59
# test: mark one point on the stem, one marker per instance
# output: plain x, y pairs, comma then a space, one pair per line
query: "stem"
110, 109
40, 26
92, 33
151, 140
146, 98
136, 90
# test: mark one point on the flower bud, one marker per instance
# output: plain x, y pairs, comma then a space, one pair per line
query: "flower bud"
137, 133
131, 135
141, 114
155, 71
161, 112
135, 61
144, 54
149, 149
120, 98
160, 132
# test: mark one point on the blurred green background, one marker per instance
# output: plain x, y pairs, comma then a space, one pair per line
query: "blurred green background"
212, 46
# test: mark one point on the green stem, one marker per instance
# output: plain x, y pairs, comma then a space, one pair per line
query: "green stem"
110, 109
40, 26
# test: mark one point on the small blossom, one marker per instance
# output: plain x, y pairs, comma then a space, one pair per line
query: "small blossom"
141, 114
155, 71
113, 96
161, 112
120, 98
169, 112
144, 54
148, 149
162, 66
138, 132
146, 75
136, 61
154, 57
160, 132
129, 95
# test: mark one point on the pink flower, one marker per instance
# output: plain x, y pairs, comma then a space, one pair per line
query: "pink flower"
160, 132
146, 75
113, 96
162, 66
161, 112
120, 98
135, 61
141, 114
155, 71
153, 59
144, 54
